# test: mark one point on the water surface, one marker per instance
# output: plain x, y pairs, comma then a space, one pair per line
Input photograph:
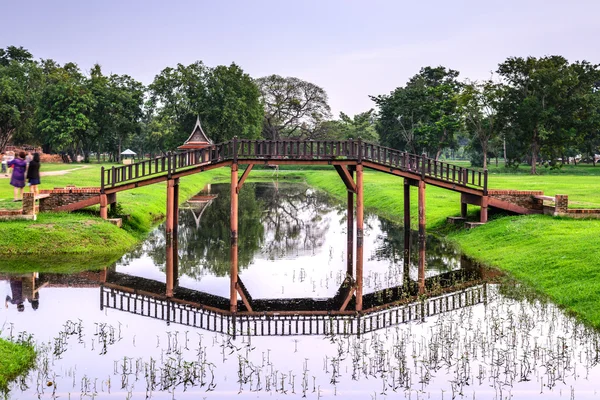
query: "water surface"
99, 338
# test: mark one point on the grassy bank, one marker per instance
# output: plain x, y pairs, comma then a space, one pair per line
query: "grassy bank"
84, 232
15, 359
558, 257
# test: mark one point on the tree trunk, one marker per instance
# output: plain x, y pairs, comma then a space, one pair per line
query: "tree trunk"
534, 151
484, 146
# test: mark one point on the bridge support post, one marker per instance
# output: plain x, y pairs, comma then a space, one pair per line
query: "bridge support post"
406, 230
483, 215
103, 206
350, 233
170, 272
421, 237
463, 209
359, 237
171, 234
170, 210
233, 271
175, 231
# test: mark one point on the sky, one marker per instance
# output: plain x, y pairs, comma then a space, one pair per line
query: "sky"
352, 49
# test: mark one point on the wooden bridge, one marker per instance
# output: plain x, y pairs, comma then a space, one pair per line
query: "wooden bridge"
348, 157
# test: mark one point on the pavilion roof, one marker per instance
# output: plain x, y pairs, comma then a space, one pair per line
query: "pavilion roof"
197, 139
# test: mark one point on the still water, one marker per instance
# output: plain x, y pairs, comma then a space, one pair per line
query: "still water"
104, 334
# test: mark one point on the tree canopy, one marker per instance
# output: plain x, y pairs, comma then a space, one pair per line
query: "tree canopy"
293, 108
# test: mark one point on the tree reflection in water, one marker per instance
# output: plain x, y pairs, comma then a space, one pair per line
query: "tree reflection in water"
275, 221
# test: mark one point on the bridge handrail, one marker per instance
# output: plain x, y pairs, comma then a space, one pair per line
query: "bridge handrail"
296, 150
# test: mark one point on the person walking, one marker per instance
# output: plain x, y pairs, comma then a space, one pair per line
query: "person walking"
33, 174
18, 176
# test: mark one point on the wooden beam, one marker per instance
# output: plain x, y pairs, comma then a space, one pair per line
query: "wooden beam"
348, 297
406, 229
468, 198
233, 271
175, 231
294, 313
240, 290
170, 210
463, 209
483, 212
359, 236
346, 176
244, 176
422, 237
103, 208
162, 178
350, 235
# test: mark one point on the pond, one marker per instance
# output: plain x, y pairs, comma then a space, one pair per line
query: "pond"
112, 333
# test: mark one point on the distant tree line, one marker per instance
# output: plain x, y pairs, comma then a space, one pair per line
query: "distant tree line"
535, 110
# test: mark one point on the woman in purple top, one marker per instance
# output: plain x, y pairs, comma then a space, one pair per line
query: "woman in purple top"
18, 176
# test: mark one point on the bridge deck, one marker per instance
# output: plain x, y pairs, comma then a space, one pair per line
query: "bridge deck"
290, 152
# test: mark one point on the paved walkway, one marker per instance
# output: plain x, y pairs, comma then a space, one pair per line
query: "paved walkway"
51, 173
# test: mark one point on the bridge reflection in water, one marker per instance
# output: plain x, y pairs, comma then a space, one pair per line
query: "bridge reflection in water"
281, 317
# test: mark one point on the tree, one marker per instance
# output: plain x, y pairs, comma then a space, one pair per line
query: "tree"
361, 126
293, 108
479, 103
233, 106
65, 108
20, 81
546, 100
424, 114
225, 98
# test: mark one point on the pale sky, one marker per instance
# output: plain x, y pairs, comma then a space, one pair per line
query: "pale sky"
352, 49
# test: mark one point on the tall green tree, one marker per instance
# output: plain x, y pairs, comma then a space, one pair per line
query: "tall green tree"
361, 126
20, 84
232, 105
293, 108
545, 102
479, 104
225, 98
65, 107
423, 115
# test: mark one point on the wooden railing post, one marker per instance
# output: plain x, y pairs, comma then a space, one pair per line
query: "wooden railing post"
485, 182
114, 176
169, 165
359, 155
235, 149
423, 159
102, 180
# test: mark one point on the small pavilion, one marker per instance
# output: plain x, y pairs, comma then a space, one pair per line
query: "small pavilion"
197, 140
128, 156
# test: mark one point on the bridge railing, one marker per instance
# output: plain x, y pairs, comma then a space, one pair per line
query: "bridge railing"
294, 150
172, 310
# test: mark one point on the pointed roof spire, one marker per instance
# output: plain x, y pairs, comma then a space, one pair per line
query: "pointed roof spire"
197, 139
